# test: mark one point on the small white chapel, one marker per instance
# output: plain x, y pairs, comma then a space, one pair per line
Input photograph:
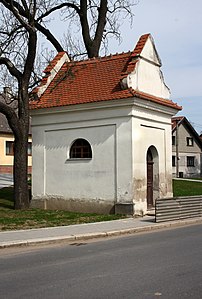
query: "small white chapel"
101, 132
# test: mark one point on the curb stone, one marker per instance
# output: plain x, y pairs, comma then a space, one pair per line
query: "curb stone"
30, 242
88, 236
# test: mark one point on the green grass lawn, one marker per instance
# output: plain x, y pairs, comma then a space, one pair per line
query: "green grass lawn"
195, 179
186, 188
11, 219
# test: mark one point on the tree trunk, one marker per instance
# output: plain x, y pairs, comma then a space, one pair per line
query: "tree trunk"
93, 50
21, 193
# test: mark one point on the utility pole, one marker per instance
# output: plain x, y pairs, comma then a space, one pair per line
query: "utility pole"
177, 150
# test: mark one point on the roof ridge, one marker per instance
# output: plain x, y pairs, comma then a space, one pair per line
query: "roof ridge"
178, 117
100, 58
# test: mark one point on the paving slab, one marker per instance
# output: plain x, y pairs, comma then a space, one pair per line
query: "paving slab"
86, 231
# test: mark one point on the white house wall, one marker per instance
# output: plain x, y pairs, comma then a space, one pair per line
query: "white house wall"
120, 135
187, 151
151, 128
84, 176
95, 184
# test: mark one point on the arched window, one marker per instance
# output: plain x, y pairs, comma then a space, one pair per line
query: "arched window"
80, 149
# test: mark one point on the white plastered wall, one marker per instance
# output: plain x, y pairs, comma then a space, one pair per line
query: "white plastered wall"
151, 128
104, 178
85, 178
187, 151
120, 135
147, 76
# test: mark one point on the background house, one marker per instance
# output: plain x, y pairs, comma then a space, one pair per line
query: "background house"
186, 149
102, 133
7, 142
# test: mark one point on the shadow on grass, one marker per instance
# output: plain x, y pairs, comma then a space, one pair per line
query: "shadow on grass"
6, 198
6, 206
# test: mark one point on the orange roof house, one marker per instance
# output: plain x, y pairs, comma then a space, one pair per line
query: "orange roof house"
102, 131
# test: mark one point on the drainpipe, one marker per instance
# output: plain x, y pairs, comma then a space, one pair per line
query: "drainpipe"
177, 151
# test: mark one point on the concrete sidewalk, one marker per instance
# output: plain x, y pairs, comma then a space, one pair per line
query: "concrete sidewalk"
86, 231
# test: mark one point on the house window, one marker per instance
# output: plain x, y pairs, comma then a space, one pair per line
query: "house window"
173, 161
173, 140
190, 141
190, 161
80, 149
9, 148
29, 149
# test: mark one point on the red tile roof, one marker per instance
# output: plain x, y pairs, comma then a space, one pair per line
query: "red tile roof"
93, 80
137, 51
154, 99
140, 44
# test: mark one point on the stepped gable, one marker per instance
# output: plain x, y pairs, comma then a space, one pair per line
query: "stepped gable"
137, 52
140, 44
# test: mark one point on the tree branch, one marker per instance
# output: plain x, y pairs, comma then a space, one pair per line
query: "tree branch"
32, 43
101, 20
18, 11
11, 116
85, 25
49, 37
10, 66
58, 7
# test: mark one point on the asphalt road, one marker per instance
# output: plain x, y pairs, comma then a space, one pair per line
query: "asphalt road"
163, 264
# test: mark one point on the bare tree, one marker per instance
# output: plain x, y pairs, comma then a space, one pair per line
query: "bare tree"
96, 20
21, 21
15, 31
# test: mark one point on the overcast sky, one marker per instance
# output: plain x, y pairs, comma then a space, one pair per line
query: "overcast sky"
176, 26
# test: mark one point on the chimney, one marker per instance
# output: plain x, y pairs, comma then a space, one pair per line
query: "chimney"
7, 92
